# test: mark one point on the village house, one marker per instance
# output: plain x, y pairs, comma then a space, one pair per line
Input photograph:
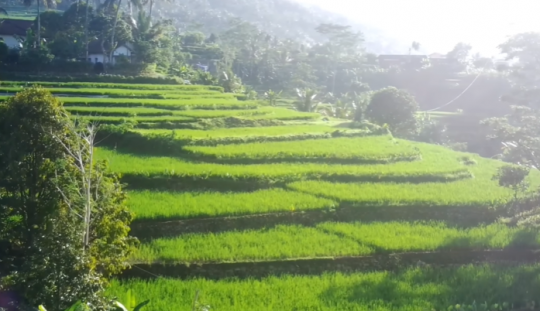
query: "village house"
95, 53
13, 32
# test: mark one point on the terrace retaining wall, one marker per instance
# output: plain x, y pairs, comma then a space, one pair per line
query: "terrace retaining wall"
318, 266
464, 216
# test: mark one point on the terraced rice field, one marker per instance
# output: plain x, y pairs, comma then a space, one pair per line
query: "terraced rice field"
279, 193
410, 290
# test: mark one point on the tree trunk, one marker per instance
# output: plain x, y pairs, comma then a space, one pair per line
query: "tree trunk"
150, 12
39, 23
103, 50
113, 46
86, 30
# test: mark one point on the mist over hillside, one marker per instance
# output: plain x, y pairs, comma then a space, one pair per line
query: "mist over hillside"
281, 18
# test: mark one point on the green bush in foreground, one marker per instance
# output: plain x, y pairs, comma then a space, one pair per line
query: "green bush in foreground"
50, 253
420, 289
393, 107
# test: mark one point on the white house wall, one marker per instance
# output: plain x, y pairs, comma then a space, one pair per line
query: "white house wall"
122, 50
99, 58
11, 42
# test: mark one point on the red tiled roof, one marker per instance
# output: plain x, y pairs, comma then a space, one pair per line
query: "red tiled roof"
15, 27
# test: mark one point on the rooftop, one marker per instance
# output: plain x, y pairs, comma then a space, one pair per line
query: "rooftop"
15, 27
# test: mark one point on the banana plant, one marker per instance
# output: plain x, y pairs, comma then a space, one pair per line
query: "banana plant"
306, 100
130, 302
78, 306
117, 306
272, 97
339, 109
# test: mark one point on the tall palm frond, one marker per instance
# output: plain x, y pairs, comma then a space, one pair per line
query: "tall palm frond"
272, 97
306, 100
340, 109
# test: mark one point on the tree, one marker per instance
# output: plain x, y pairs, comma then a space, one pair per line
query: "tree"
230, 82
150, 40
272, 97
415, 46
4, 51
396, 108
64, 222
306, 100
339, 109
519, 132
460, 54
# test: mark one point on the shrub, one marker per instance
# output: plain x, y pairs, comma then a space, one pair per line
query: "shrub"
394, 107
99, 68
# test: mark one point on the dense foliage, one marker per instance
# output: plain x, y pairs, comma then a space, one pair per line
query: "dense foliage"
281, 154
52, 196
395, 108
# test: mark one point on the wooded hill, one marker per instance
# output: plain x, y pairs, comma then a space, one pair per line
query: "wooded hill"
281, 18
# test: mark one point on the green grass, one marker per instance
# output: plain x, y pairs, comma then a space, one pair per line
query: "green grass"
120, 111
468, 192
159, 94
253, 114
209, 114
437, 163
243, 131
123, 86
418, 289
199, 103
330, 239
180, 205
276, 113
362, 149
151, 119
482, 190
242, 135
19, 17
263, 113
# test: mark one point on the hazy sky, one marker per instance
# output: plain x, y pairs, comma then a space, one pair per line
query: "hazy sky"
440, 24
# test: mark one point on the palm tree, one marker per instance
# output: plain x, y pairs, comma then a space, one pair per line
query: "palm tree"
339, 109
48, 3
114, 28
306, 100
272, 97
138, 5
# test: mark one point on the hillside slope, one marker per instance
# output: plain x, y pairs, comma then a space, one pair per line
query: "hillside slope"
282, 18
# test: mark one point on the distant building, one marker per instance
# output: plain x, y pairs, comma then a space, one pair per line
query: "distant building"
401, 61
13, 32
418, 61
201, 67
95, 53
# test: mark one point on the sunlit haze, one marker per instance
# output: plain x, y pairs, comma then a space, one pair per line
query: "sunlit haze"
439, 25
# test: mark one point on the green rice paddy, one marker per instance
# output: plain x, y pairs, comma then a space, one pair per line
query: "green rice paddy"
184, 205
415, 289
285, 242
299, 165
